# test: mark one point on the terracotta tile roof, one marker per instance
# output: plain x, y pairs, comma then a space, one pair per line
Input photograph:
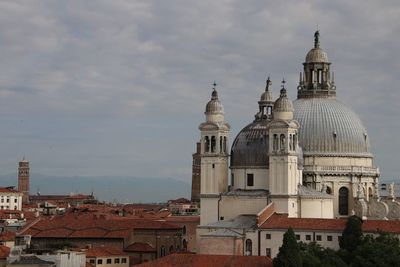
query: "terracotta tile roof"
81, 227
4, 252
7, 236
140, 247
281, 221
182, 219
103, 252
381, 225
196, 260
145, 207
8, 190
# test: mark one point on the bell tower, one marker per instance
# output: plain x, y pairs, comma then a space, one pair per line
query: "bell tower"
284, 172
213, 158
23, 179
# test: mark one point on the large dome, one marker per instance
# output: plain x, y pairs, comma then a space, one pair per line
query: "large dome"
329, 128
250, 147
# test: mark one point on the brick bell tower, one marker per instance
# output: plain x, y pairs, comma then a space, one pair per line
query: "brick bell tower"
23, 179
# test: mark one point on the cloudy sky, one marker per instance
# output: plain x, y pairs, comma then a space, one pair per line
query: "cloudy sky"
119, 87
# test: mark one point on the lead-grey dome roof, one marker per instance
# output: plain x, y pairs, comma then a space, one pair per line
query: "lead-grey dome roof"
328, 127
250, 147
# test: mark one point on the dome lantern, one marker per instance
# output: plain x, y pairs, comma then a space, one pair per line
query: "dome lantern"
266, 103
283, 107
316, 79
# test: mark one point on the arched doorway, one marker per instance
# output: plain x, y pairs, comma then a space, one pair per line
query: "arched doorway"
343, 201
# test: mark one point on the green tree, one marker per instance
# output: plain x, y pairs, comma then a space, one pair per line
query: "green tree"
383, 251
289, 252
313, 255
352, 234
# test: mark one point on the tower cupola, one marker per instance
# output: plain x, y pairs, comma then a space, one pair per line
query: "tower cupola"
316, 79
266, 103
214, 108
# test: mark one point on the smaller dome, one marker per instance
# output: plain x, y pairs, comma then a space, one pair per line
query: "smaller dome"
283, 104
317, 55
214, 106
266, 96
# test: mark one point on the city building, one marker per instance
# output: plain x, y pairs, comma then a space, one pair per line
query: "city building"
123, 234
106, 256
10, 199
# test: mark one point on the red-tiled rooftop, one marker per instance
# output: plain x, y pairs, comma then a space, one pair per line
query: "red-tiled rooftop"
7, 236
103, 252
78, 227
4, 252
195, 260
140, 247
8, 190
181, 219
281, 221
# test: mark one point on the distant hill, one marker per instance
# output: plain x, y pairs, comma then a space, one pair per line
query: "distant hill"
119, 189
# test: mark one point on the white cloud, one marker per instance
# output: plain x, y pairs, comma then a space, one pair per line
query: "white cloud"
125, 82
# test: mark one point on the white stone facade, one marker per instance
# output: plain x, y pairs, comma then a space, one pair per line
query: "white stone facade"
10, 199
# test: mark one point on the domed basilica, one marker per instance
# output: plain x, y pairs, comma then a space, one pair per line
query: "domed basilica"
310, 158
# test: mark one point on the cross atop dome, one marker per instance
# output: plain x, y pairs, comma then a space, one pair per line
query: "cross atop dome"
283, 90
214, 94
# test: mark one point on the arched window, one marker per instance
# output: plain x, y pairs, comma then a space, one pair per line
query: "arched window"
207, 144
213, 144
171, 249
295, 142
162, 251
282, 142
269, 110
275, 142
225, 149
370, 194
249, 247
343, 201
291, 142
221, 144
184, 230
